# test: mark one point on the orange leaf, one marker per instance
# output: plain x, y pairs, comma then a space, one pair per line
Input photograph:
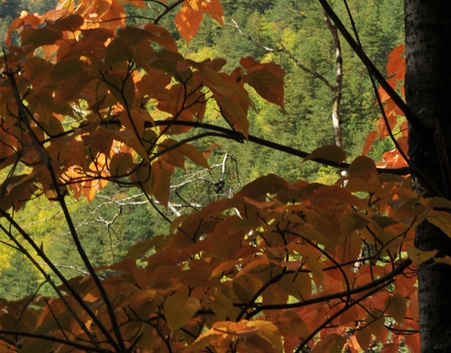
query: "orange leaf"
328, 152
332, 343
187, 22
413, 342
382, 126
161, 173
139, 249
69, 23
230, 96
261, 187
139, 3
353, 344
369, 142
396, 63
266, 79
213, 8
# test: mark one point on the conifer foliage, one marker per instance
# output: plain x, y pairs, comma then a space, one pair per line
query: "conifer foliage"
279, 267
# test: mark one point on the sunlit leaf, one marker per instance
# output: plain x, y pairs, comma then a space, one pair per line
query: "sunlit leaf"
187, 22
214, 9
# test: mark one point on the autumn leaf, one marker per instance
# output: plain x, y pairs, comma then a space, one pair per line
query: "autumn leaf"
418, 256
267, 79
161, 174
39, 37
121, 164
328, 152
187, 22
442, 220
214, 9
396, 307
180, 309
332, 343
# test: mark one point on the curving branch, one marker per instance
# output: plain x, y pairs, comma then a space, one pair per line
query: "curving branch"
239, 137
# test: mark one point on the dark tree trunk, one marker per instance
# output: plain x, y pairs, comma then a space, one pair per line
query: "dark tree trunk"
428, 94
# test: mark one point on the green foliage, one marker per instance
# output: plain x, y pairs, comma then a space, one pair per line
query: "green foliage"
300, 27
18, 277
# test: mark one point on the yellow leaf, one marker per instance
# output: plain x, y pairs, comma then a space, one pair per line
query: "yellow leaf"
444, 260
418, 256
179, 310
269, 332
441, 220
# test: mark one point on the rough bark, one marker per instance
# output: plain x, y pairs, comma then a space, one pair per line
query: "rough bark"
428, 94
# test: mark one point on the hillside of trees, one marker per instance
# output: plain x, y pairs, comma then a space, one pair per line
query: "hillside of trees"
260, 31
128, 228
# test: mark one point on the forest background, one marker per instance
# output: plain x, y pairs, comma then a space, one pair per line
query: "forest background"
119, 217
